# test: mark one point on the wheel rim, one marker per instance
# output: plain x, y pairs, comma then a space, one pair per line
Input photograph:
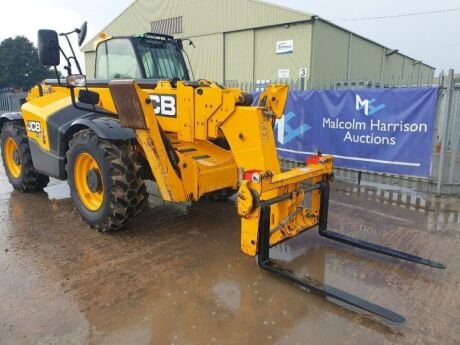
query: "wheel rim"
88, 181
12, 158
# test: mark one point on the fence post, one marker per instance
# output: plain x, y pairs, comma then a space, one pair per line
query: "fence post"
302, 83
443, 133
455, 135
8, 102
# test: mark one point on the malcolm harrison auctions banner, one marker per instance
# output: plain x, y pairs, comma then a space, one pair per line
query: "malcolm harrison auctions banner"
379, 130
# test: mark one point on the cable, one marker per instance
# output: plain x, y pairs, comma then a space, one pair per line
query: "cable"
189, 64
402, 15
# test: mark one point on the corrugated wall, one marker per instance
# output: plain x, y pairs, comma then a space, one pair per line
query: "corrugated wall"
392, 67
200, 17
207, 59
201, 20
235, 40
365, 58
341, 55
330, 52
250, 55
90, 64
239, 56
267, 62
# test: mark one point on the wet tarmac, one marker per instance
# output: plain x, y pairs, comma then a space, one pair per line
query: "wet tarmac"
177, 276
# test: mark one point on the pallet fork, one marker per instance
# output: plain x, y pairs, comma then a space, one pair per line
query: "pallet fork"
325, 290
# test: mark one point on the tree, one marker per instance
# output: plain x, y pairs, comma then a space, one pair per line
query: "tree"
19, 64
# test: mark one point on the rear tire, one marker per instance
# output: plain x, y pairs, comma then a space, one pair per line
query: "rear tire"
113, 192
17, 160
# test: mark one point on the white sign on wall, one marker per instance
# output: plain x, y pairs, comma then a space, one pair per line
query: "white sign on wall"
283, 47
283, 73
303, 72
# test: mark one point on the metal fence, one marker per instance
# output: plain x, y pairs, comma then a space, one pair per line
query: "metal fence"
327, 84
446, 154
11, 101
445, 172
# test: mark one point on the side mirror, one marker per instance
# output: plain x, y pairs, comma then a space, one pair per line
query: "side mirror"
76, 80
88, 97
82, 33
48, 48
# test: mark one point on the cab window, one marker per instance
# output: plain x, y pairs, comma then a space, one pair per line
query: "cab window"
162, 60
116, 59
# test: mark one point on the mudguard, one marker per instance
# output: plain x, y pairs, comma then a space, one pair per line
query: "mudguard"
10, 117
62, 126
105, 127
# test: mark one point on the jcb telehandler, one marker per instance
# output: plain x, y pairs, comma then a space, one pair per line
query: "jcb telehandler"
143, 118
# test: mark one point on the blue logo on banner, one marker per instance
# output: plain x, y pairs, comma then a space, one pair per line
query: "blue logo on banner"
368, 106
285, 131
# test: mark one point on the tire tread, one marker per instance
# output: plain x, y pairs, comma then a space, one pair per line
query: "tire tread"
128, 192
31, 180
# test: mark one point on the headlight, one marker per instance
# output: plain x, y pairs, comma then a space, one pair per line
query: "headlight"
76, 80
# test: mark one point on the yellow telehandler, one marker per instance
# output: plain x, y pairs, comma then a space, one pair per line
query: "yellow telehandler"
143, 117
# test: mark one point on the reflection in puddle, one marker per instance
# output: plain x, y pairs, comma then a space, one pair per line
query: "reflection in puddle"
57, 190
442, 214
228, 293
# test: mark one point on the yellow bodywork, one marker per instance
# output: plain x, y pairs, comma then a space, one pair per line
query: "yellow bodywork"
206, 113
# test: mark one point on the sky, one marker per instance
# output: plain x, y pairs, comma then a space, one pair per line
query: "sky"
432, 38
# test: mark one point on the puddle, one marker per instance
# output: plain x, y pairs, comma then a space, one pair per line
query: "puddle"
176, 275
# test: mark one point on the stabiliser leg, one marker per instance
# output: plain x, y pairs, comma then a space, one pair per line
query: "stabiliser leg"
309, 283
323, 231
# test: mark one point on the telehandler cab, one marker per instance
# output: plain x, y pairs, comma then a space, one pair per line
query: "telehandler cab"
143, 118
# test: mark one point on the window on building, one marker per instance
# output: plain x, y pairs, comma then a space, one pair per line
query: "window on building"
116, 59
168, 26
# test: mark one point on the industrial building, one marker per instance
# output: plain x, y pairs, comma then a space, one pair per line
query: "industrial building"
252, 40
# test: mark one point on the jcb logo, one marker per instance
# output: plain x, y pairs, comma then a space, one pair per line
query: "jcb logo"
164, 105
34, 126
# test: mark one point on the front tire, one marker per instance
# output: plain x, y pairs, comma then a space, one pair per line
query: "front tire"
17, 160
105, 180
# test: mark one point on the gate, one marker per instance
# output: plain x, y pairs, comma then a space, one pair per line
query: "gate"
11, 101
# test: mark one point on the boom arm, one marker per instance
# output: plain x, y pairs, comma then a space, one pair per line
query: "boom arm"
211, 112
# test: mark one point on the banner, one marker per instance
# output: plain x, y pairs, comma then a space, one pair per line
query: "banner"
379, 130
